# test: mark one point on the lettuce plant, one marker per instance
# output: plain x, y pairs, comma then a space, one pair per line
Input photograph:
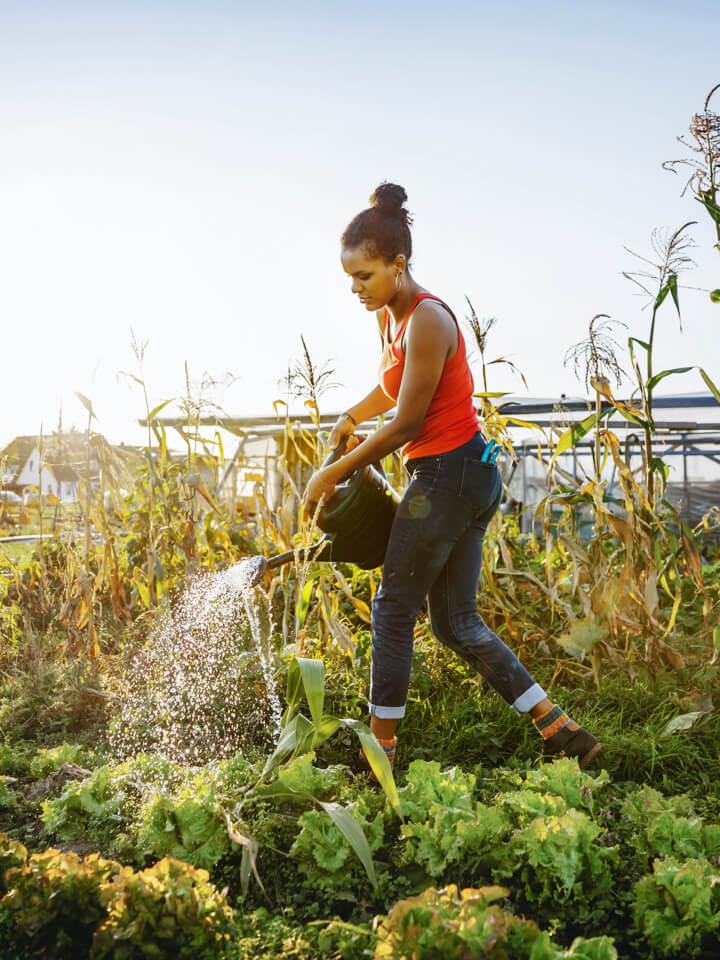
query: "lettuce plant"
301, 778
102, 795
62, 907
447, 924
645, 802
557, 861
103, 808
445, 825
56, 901
185, 825
525, 805
168, 912
12, 855
325, 855
677, 908
565, 779
667, 826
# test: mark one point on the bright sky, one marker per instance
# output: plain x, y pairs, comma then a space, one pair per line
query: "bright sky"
186, 169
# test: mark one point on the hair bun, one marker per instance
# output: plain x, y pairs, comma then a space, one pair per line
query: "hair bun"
389, 198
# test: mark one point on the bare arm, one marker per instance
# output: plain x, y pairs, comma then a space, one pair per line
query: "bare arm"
431, 338
375, 403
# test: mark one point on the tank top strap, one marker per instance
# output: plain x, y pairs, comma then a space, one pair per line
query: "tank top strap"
398, 340
386, 328
431, 296
403, 326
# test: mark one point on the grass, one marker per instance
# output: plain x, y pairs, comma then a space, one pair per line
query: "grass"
454, 717
17, 552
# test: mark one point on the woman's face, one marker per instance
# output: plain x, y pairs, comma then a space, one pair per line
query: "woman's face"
373, 280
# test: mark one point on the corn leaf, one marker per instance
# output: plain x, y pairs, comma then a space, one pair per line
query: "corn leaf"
156, 410
86, 403
662, 294
716, 642
303, 604
324, 730
709, 383
248, 863
353, 833
692, 557
379, 763
712, 387
293, 689
313, 677
711, 207
672, 284
293, 737
574, 435
654, 381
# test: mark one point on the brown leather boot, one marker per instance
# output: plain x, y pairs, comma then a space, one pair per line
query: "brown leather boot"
572, 743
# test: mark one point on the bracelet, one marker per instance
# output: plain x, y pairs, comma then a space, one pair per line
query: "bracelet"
349, 417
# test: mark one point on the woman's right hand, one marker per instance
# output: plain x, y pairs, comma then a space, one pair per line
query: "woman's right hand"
344, 427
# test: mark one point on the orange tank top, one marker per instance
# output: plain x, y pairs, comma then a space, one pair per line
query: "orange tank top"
451, 419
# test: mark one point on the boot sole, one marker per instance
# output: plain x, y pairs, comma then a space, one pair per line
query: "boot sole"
590, 755
583, 761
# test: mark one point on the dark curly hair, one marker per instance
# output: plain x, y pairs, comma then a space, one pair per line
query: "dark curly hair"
384, 227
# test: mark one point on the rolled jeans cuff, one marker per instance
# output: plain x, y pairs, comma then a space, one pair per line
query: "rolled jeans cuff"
386, 713
531, 698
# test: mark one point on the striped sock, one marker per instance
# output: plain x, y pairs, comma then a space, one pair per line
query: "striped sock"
389, 748
551, 722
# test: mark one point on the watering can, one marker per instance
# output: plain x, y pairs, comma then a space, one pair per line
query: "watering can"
356, 521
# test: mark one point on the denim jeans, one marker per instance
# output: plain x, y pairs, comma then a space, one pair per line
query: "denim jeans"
435, 551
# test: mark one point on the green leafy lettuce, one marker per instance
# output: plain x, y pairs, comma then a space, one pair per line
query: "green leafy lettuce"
677, 908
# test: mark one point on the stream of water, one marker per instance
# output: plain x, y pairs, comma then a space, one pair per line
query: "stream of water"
202, 687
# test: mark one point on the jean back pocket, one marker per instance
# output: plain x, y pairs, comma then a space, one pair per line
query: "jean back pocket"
481, 483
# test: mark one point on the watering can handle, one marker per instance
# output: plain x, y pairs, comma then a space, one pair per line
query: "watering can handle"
338, 452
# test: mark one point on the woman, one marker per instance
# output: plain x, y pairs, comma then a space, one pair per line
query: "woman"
435, 546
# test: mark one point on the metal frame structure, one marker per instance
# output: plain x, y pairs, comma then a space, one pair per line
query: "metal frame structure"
684, 438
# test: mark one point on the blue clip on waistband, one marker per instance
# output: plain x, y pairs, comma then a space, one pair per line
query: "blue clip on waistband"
491, 451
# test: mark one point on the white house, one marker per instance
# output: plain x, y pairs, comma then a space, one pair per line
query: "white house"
59, 479
59, 471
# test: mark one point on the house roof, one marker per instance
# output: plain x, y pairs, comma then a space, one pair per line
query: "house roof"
16, 453
61, 452
63, 472
19, 449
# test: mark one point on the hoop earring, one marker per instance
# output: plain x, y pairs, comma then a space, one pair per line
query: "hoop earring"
398, 281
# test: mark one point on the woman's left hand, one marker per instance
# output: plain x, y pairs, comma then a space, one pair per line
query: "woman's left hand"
320, 486
323, 482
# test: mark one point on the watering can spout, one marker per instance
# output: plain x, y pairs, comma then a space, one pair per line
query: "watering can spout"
258, 572
263, 564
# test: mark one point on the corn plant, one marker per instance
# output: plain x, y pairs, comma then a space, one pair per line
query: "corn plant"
704, 179
299, 736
